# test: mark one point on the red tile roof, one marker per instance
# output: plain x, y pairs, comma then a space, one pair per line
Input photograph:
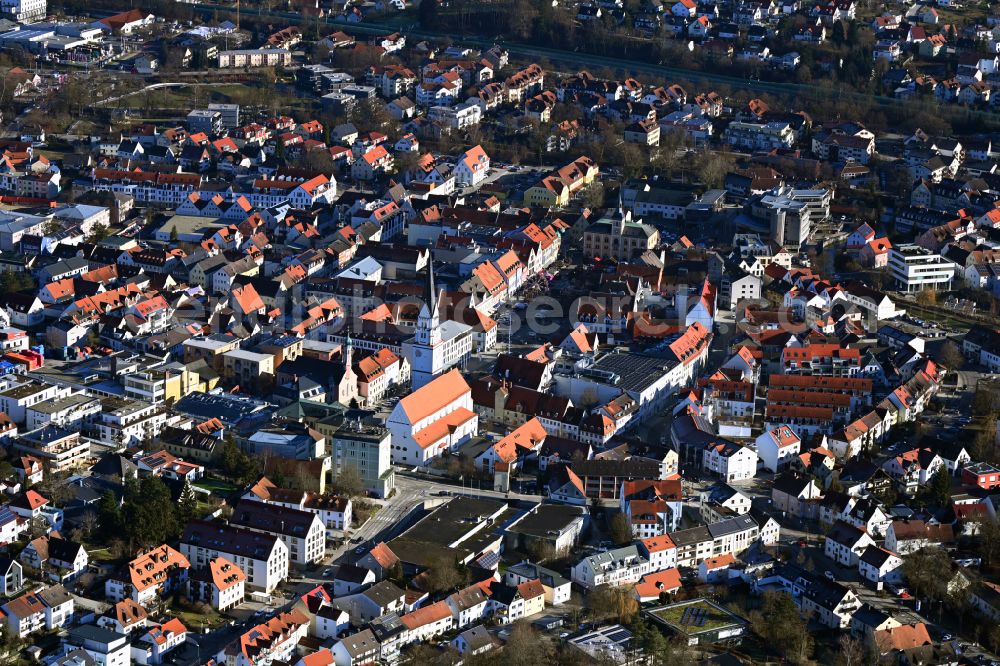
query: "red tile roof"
434, 396
426, 615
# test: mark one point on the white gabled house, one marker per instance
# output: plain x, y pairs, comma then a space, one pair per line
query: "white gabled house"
845, 543
867, 515
468, 606
879, 565
730, 461
831, 604
777, 447
428, 622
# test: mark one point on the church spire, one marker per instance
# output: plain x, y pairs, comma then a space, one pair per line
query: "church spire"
428, 322
348, 346
431, 290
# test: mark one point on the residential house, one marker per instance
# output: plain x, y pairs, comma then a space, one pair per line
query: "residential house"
880, 566
144, 579
845, 543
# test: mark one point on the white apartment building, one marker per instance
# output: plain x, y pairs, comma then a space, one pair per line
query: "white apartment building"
67, 412
792, 212
254, 58
734, 535
222, 584
831, 604
879, 565
916, 268
58, 448
149, 576
760, 136
333, 511
459, 116
301, 531
468, 605
24, 11
262, 557
730, 461
695, 544
660, 551
274, 640
153, 646
128, 422
428, 622
104, 647
15, 400
367, 448
621, 566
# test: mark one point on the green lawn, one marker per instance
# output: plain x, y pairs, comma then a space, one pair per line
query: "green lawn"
714, 618
216, 486
99, 553
195, 620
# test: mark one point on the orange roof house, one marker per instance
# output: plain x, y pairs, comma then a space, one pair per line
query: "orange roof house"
580, 340
225, 574
903, 637
125, 22
527, 438
427, 615
148, 576
268, 637
653, 585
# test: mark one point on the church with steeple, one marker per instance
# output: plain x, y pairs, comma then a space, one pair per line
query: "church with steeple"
347, 387
436, 346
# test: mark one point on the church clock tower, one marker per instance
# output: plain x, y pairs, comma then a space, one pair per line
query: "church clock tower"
428, 331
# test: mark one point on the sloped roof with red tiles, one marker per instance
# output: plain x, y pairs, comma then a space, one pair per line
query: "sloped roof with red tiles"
128, 612
248, 298
531, 589
421, 617
433, 396
225, 574
659, 543
527, 437
654, 584
382, 554
151, 568
29, 499
903, 637
575, 481
719, 562
266, 636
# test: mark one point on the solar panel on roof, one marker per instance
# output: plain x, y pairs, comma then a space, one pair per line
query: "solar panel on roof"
489, 560
694, 617
620, 635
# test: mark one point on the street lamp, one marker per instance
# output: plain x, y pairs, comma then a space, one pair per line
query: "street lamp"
197, 645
